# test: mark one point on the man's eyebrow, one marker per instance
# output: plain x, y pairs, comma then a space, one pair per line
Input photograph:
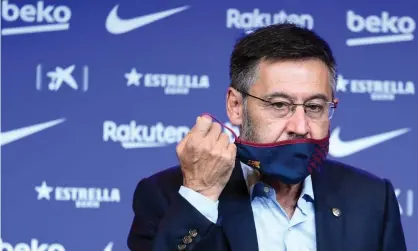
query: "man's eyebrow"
317, 96
271, 96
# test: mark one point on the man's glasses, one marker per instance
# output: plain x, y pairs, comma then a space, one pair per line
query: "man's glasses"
316, 109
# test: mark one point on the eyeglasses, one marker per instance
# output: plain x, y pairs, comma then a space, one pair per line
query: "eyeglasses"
316, 109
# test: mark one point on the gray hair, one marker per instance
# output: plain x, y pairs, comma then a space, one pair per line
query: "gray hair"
245, 79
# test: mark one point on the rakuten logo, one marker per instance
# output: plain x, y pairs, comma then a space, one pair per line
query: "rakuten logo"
143, 136
41, 17
33, 246
256, 19
385, 28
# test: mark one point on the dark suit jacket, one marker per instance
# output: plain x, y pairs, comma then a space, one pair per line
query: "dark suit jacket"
369, 218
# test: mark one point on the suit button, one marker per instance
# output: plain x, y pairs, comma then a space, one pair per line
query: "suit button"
193, 233
181, 247
187, 239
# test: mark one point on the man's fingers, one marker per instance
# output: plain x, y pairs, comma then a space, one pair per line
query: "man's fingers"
202, 126
232, 149
214, 132
223, 141
182, 144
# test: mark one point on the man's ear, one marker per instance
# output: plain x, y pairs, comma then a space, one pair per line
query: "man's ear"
234, 106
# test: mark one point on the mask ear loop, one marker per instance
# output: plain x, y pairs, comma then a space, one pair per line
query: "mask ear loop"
222, 124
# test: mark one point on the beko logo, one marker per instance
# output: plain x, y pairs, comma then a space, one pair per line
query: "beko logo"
41, 17
33, 246
385, 28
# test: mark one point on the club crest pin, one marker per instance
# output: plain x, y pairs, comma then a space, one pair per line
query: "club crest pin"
254, 163
336, 212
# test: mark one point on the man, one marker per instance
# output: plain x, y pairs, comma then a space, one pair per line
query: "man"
272, 189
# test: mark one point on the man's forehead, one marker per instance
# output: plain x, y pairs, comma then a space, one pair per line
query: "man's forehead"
292, 91
299, 97
297, 80
288, 70
291, 86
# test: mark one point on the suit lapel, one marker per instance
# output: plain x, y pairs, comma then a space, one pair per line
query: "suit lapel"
329, 210
237, 216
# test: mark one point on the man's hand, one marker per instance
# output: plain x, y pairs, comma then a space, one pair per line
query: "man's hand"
207, 158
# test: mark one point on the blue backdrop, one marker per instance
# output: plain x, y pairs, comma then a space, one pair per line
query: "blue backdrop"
96, 94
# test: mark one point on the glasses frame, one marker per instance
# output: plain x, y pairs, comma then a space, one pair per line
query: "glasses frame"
294, 105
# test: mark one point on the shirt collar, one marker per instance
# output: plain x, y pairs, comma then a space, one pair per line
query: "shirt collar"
252, 177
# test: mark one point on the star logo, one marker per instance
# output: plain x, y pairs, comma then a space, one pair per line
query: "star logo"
133, 77
44, 191
342, 84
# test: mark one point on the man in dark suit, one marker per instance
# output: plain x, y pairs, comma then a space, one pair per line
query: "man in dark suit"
273, 188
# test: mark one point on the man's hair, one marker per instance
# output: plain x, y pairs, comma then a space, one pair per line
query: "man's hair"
274, 43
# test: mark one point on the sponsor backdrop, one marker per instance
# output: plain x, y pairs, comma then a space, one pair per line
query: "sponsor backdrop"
95, 97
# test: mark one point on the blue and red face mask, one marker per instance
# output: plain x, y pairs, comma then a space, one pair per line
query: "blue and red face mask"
289, 161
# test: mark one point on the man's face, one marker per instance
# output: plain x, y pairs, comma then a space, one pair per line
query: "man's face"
290, 82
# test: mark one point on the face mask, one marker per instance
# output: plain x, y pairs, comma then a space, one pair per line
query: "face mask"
289, 161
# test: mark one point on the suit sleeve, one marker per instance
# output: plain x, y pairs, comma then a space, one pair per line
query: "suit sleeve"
393, 235
163, 225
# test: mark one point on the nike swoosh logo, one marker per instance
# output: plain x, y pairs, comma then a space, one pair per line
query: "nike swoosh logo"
116, 25
109, 247
13, 135
339, 148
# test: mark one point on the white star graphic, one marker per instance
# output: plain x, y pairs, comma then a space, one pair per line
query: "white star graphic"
342, 84
44, 191
133, 77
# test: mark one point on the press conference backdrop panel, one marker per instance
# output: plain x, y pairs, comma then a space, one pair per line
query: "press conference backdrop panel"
96, 94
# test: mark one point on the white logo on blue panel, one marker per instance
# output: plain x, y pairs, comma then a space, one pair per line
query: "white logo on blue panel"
55, 79
37, 18
23, 132
236, 19
382, 29
172, 84
82, 197
378, 90
34, 245
339, 148
117, 25
135, 135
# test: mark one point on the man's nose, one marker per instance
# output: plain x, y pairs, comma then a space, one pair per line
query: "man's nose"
298, 122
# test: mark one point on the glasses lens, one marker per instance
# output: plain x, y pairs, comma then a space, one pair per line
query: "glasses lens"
319, 110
